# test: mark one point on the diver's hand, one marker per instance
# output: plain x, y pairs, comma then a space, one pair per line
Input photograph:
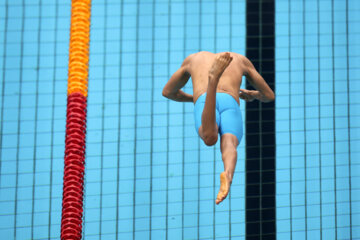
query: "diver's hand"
248, 95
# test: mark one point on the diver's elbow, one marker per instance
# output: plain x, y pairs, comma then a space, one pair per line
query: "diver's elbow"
272, 97
165, 93
168, 94
269, 97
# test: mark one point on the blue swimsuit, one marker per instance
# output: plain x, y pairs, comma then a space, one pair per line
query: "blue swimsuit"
228, 115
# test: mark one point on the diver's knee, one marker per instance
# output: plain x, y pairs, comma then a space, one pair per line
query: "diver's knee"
210, 139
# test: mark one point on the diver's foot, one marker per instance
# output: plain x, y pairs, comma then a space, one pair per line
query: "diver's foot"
221, 62
224, 187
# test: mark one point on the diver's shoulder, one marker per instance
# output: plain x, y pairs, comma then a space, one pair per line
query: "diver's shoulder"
204, 53
197, 54
200, 56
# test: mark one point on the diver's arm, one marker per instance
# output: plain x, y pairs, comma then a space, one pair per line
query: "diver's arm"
264, 92
176, 82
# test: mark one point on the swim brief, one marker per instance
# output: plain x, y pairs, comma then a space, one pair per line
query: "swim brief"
228, 114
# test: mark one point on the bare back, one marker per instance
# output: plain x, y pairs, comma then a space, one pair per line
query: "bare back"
230, 81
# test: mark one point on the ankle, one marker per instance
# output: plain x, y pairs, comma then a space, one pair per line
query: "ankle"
213, 79
229, 175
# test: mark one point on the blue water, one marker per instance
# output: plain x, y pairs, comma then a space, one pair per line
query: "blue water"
317, 119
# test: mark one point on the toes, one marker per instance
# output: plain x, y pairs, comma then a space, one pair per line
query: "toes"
219, 199
226, 58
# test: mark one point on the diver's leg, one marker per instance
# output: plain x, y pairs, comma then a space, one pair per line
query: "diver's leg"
209, 130
228, 145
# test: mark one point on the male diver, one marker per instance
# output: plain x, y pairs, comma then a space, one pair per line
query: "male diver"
216, 80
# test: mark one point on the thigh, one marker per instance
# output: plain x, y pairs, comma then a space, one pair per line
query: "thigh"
198, 111
231, 122
199, 126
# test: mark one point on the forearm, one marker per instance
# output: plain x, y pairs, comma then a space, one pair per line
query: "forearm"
179, 96
262, 97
